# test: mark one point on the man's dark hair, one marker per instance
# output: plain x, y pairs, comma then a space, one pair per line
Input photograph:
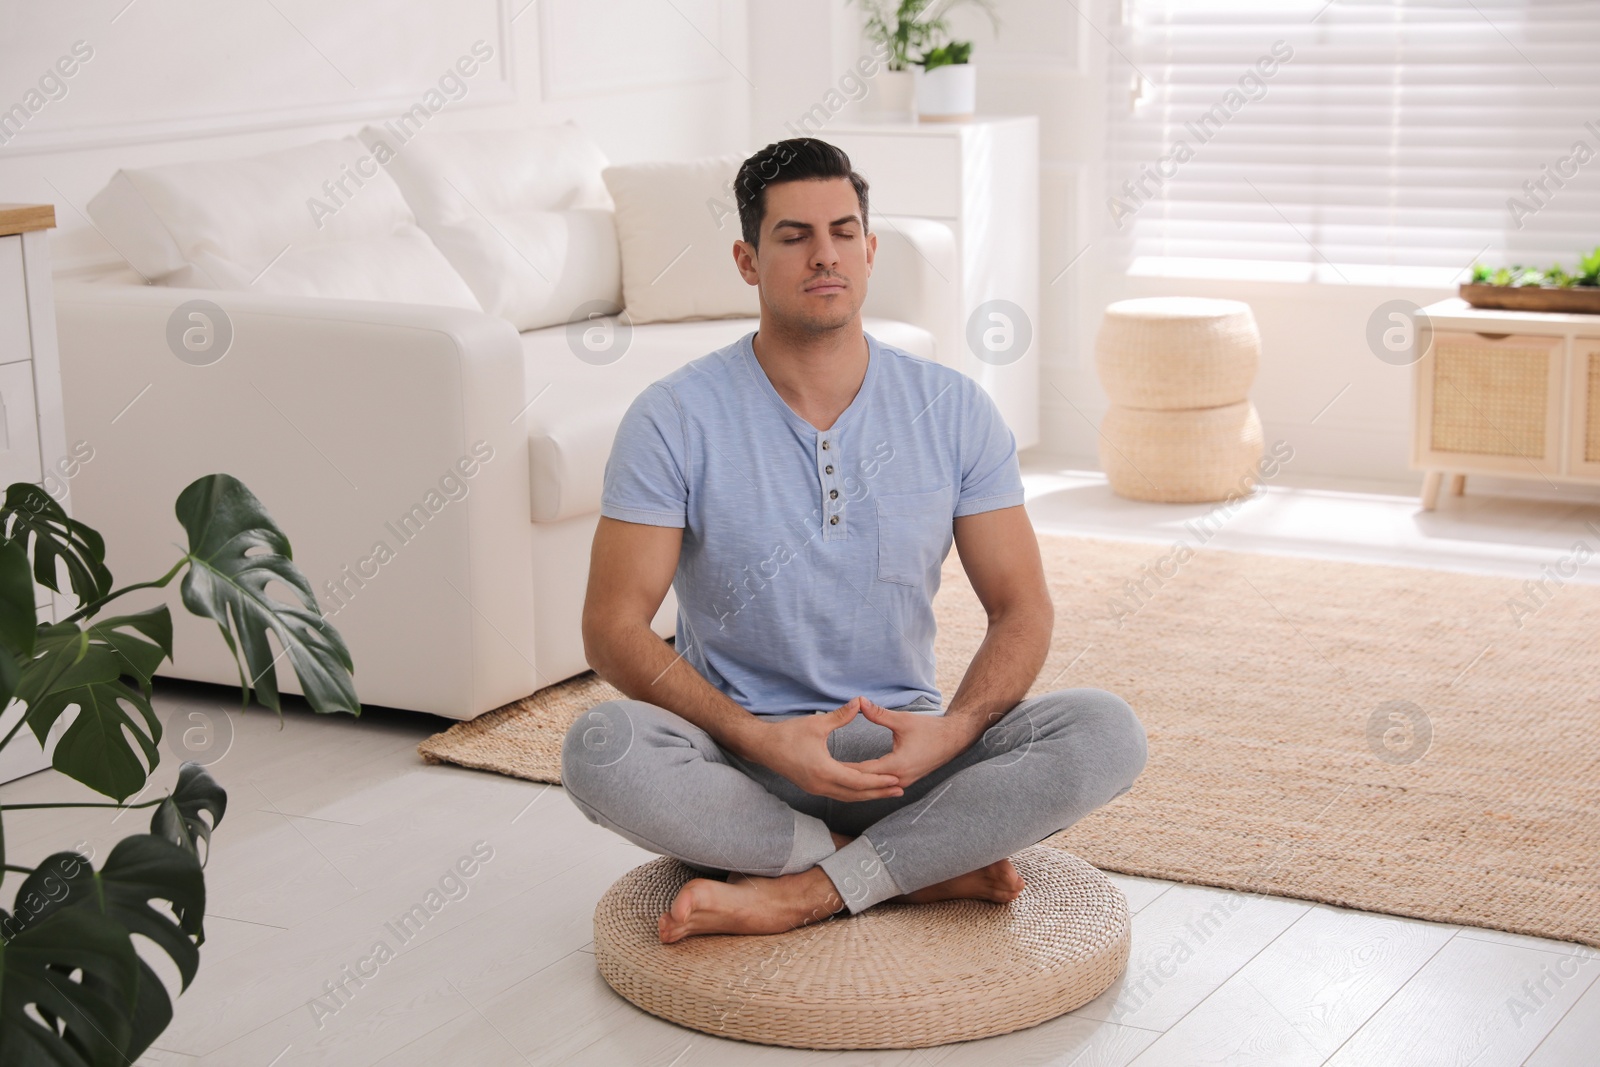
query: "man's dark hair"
797, 159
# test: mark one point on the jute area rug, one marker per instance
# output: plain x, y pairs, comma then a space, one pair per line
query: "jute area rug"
1391, 739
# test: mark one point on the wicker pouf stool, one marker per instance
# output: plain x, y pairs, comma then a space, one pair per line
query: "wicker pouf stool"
894, 976
1178, 457
1178, 371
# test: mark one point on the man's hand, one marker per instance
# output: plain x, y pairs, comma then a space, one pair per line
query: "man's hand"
798, 749
922, 743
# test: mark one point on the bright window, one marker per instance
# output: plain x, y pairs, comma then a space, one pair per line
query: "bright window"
1353, 141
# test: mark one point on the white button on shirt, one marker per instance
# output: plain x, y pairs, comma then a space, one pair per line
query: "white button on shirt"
810, 557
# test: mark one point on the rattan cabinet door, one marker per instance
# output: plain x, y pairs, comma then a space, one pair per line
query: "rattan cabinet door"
1583, 409
1490, 403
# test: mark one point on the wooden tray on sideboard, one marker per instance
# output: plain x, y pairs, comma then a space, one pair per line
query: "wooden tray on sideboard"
1581, 300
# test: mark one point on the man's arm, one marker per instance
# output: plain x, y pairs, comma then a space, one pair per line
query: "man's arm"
631, 566
630, 570
1000, 553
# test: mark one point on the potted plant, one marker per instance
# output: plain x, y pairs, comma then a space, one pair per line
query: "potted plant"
947, 85
1520, 288
915, 28
73, 990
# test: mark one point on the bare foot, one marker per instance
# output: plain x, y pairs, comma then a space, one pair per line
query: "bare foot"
746, 904
998, 882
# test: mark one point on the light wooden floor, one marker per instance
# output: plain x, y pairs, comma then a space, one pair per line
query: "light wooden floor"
335, 829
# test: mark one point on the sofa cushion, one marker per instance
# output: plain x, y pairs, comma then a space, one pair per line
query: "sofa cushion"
322, 219
521, 214
577, 405
676, 224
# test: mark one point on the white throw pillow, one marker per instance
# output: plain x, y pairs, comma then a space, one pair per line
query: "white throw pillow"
676, 223
522, 215
318, 220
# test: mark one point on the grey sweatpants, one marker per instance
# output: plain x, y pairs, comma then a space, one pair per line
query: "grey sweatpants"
664, 784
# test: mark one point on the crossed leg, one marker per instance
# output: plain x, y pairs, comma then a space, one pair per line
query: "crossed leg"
750, 904
793, 858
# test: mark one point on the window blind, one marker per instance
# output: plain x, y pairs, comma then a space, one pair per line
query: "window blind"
1354, 141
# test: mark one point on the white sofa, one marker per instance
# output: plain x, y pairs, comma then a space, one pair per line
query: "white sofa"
347, 415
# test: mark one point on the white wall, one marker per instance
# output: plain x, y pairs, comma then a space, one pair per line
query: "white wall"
793, 62
171, 80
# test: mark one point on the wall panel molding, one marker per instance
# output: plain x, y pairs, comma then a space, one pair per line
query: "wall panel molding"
284, 61
683, 42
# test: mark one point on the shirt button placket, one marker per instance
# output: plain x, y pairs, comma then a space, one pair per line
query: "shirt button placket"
831, 506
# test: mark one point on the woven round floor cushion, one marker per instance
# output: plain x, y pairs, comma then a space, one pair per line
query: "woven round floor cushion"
1168, 353
894, 976
1179, 457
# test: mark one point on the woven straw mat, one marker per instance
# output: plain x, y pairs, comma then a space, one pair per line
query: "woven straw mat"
1382, 738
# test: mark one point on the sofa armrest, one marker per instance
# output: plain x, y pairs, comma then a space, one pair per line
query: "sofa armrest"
385, 439
568, 457
916, 278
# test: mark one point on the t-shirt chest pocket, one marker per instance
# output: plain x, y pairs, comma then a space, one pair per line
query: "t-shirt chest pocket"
914, 533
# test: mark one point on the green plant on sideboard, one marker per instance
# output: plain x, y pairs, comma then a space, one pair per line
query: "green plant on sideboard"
1555, 276
74, 992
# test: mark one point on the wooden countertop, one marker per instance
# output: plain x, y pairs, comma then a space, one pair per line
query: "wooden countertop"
20, 218
1455, 313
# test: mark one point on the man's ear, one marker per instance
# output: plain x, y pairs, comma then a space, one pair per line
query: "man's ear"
872, 250
744, 259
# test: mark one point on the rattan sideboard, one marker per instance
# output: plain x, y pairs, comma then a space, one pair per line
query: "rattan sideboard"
1508, 393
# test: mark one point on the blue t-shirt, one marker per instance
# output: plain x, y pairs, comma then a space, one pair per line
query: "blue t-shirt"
810, 557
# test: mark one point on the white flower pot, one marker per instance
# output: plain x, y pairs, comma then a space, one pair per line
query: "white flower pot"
948, 93
892, 95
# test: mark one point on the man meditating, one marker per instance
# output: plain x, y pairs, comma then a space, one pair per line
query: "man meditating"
799, 490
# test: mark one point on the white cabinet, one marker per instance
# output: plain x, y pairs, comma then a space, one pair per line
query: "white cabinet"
19, 425
15, 343
982, 178
1509, 393
32, 432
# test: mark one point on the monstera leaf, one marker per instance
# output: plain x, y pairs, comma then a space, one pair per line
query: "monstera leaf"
17, 617
226, 583
177, 818
93, 1013
29, 514
140, 869
91, 670
67, 950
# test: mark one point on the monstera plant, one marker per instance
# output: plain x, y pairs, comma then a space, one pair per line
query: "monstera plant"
73, 990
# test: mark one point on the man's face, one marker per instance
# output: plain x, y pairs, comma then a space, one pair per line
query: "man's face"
815, 257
